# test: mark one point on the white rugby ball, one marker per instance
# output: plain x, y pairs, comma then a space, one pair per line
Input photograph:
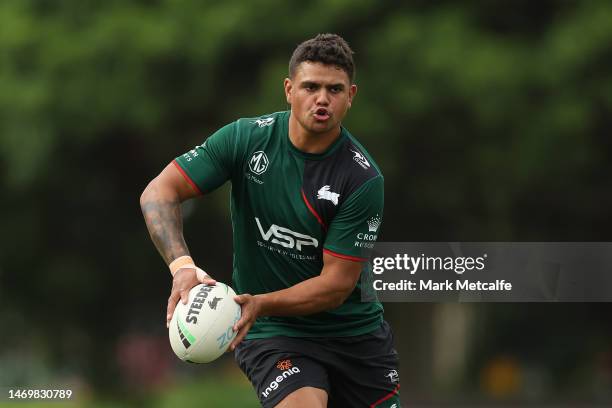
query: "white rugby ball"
201, 330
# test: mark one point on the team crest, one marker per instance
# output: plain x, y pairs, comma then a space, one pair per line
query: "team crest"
325, 194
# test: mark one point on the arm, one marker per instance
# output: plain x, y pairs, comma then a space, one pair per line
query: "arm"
324, 292
161, 207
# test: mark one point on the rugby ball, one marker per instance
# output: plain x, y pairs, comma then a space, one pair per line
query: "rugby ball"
201, 330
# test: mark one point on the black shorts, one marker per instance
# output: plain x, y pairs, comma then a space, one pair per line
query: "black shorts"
358, 371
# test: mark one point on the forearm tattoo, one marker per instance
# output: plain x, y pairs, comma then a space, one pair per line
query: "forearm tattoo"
165, 224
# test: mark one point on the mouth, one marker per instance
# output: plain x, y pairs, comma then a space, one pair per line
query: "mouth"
322, 114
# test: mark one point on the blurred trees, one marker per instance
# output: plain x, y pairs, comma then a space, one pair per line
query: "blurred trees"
490, 121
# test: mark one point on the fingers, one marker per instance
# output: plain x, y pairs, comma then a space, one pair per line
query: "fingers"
245, 315
204, 278
175, 296
249, 315
184, 280
243, 319
172, 300
181, 284
184, 295
208, 281
241, 334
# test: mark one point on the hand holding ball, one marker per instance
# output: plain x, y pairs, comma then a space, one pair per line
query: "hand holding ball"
201, 330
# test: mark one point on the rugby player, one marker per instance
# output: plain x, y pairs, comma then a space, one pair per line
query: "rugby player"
306, 204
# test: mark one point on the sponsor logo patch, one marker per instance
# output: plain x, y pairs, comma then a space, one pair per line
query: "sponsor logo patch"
284, 365
288, 369
263, 122
192, 154
365, 240
393, 376
285, 237
259, 162
374, 223
360, 159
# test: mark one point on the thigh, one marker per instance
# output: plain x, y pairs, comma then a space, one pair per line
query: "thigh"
305, 397
276, 368
364, 371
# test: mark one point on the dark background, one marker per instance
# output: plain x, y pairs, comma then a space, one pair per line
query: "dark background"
490, 120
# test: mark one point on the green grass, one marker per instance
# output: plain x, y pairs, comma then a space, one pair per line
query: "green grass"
209, 393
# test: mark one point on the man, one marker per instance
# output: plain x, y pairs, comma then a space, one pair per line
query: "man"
307, 202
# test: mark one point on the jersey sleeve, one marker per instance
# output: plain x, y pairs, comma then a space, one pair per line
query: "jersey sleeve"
354, 230
211, 164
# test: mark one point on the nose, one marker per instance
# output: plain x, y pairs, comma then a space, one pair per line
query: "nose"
322, 97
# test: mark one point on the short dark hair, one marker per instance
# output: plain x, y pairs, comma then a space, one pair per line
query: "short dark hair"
329, 49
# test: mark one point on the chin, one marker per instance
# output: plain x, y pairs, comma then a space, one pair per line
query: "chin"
320, 129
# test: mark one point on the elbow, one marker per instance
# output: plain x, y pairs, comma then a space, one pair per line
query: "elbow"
147, 193
338, 298
335, 303
143, 198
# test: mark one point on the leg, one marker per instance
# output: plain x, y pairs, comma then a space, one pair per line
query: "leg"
281, 374
305, 397
364, 371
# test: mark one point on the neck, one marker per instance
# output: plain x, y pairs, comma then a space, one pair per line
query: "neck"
309, 142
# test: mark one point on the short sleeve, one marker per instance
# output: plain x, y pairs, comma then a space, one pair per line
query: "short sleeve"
210, 165
354, 230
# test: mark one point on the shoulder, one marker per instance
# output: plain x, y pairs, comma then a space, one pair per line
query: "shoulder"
261, 125
354, 167
348, 175
243, 134
357, 153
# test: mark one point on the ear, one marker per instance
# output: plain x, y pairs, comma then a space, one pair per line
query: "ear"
351, 94
288, 89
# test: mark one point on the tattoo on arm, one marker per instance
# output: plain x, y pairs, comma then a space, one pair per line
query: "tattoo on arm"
165, 224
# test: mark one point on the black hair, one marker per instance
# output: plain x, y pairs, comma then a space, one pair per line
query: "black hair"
329, 49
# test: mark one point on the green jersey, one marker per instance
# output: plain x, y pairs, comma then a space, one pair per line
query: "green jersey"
288, 208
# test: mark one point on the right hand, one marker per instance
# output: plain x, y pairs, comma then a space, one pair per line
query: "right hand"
185, 279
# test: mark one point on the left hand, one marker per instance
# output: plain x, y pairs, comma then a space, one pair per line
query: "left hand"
251, 308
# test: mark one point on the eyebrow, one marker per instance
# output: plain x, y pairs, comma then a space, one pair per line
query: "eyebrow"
307, 83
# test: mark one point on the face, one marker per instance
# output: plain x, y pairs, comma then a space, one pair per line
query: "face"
319, 95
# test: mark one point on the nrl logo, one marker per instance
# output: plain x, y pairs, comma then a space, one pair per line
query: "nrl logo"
360, 159
374, 223
325, 194
263, 122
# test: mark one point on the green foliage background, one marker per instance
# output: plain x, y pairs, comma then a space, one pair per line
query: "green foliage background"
490, 120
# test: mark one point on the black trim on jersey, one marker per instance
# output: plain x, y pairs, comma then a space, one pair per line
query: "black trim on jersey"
329, 182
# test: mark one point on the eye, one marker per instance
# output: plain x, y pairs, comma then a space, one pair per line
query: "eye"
336, 89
